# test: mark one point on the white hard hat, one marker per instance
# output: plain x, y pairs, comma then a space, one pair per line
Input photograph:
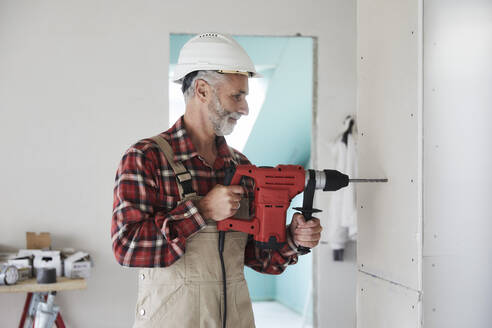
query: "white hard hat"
215, 52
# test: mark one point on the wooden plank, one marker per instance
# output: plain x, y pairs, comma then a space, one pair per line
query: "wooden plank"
31, 286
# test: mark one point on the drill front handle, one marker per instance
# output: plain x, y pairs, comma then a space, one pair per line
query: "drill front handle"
308, 215
307, 209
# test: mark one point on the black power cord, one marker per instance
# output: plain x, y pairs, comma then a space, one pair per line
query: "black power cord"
228, 175
221, 255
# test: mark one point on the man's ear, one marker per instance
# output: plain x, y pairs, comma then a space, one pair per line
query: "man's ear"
202, 90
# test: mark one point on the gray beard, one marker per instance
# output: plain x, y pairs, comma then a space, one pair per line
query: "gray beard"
219, 117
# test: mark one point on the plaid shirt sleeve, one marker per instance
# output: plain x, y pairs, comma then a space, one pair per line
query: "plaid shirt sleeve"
147, 229
270, 261
267, 261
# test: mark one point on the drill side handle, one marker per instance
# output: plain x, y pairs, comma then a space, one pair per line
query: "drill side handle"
307, 209
308, 215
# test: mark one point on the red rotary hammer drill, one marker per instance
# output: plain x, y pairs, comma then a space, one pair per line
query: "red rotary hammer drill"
274, 189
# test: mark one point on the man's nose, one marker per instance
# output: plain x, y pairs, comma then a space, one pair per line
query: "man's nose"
243, 108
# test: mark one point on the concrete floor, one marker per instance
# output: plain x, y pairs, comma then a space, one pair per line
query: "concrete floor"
274, 314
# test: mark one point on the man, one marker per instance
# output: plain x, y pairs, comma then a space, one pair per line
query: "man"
169, 196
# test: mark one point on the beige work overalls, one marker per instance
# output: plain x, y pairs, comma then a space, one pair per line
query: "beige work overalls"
189, 292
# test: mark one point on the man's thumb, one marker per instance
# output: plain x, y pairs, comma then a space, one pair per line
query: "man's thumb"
297, 219
236, 189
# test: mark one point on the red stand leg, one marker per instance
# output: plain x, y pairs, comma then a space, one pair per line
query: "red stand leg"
59, 321
26, 309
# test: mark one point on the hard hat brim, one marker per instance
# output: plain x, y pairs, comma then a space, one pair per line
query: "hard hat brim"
179, 75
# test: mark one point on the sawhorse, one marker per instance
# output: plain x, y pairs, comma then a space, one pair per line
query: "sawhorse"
38, 292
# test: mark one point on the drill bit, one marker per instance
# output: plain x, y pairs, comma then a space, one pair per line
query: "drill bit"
333, 180
368, 180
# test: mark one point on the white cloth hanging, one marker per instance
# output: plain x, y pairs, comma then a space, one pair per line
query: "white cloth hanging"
342, 217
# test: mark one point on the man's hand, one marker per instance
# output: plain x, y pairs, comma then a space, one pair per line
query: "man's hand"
305, 233
221, 202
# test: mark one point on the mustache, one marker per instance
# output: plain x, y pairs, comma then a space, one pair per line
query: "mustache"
235, 115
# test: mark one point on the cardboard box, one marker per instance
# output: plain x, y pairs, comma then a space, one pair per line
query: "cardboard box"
44, 259
38, 241
48, 259
27, 253
22, 262
78, 265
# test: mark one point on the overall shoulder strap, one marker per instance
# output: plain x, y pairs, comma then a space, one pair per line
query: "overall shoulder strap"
233, 156
183, 177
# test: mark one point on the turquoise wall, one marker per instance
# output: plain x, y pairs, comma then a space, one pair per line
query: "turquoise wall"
281, 135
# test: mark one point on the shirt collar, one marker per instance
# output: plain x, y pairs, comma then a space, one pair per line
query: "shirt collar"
184, 149
223, 150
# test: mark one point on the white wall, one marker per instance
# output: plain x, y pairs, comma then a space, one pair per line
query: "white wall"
457, 163
81, 81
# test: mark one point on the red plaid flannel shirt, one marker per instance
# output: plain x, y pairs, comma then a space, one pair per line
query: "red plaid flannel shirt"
149, 228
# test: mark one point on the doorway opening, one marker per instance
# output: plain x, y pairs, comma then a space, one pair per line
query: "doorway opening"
277, 130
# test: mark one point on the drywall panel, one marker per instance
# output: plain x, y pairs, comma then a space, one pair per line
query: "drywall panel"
389, 240
457, 161
382, 304
458, 138
457, 292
